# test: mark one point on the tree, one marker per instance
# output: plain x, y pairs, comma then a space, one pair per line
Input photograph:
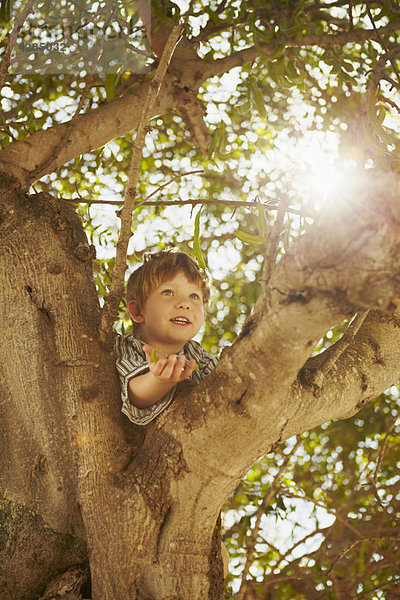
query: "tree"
80, 484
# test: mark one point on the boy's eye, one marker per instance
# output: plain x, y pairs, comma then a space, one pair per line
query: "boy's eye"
195, 296
167, 292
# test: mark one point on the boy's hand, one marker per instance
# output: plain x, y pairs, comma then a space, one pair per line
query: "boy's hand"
173, 368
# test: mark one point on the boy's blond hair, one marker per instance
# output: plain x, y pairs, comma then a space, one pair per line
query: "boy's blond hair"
158, 267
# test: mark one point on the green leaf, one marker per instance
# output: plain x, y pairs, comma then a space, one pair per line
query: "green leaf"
111, 79
248, 238
262, 221
257, 96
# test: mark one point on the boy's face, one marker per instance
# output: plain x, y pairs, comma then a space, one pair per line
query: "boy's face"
172, 314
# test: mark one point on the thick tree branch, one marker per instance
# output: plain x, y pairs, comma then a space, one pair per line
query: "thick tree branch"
193, 110
326, 40
368, 366
89, 131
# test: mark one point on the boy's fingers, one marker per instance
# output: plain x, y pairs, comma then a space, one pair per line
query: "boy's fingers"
181, 362
157, 368
148, 351
168, 366
174, 367
189, 369
177, 366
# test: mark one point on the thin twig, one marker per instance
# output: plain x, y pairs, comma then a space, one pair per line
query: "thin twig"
286, 557
337, 514
379, 37
163, 185
383, 449
6, 127
19, 21
117, 280
258, 514
391, 584
378, 72
383, 98
235, 203
356, 542
351, 21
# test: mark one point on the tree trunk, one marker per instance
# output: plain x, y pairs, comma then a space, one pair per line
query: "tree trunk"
66, 491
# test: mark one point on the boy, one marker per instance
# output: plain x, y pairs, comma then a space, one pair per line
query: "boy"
166, 298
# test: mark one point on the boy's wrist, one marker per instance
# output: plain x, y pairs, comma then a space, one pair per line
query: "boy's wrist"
167, 384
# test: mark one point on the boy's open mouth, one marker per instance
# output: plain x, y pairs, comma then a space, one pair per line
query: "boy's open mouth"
180, 321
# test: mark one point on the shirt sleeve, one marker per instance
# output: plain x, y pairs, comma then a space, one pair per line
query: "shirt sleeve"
131, 361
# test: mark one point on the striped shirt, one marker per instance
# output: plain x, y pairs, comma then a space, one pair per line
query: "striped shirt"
131, 361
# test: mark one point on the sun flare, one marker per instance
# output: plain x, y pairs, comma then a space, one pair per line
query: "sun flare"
324, 182
322, 176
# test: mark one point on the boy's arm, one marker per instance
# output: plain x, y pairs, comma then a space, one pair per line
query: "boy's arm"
147, 389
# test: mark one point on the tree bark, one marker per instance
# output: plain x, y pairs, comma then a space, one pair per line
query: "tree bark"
56, 383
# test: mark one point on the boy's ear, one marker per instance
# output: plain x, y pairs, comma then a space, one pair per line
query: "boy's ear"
134, 311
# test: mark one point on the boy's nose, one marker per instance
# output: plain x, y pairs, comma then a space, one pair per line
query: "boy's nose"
183, 304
